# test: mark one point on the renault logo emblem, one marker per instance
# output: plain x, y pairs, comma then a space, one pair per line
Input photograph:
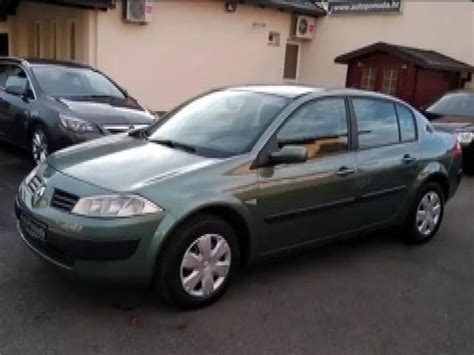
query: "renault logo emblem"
38, 195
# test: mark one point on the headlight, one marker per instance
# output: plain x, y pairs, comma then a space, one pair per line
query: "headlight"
114, 206
76, 124
465, 137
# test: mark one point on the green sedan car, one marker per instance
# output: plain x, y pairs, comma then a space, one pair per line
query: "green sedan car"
232, 176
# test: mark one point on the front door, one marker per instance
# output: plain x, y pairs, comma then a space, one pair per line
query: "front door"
303, 202
386, 159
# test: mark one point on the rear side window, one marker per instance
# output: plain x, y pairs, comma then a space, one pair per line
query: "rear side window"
321, 125
376, 121
407, 124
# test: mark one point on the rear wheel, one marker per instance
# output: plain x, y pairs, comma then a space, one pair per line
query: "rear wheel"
198, 263
39, 145
426, 214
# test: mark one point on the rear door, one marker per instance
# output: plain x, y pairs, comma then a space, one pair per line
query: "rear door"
387, 157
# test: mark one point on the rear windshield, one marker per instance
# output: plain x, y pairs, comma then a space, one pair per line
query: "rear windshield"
456, 104
62, 81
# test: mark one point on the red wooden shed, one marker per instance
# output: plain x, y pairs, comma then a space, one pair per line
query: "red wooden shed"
414, 75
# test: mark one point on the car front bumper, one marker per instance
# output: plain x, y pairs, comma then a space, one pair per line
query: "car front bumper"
118, 252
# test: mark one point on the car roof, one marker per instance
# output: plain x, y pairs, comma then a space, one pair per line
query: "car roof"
295, 91
39, 61
290, 91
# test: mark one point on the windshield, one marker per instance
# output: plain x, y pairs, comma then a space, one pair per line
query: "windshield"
220, 124
63, 81
456, 104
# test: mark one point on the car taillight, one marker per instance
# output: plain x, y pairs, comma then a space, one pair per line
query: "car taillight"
457, 149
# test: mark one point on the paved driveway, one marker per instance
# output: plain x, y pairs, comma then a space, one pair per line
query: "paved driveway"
374, 295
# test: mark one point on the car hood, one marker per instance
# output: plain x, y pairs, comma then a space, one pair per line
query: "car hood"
107, 110
122, 163
453, 124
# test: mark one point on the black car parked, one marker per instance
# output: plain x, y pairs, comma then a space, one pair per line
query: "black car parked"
48, 105
454, 113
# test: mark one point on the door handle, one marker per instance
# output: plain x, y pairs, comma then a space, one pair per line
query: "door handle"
408, 159
345, 171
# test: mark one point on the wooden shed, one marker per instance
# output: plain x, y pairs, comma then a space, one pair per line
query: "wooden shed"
417, 76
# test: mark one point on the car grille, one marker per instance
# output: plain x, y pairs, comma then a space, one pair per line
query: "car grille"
63, 200
34, 184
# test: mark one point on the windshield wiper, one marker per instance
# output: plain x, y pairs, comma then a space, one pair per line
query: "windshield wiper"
173, 144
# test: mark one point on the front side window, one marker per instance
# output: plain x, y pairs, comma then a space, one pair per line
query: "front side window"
376, 121
455, 104
16, 77
220, 124
63, 81
407, 124
4, 68
321, 125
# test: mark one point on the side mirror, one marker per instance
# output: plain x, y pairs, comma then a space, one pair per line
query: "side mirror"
15, 90
289, 154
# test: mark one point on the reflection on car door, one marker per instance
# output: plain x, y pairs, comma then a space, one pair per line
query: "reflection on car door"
300, 203
386, 159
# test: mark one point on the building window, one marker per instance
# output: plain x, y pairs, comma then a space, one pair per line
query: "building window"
55, 40
37, 41
72, 41
368, 79
291, 61
390, 81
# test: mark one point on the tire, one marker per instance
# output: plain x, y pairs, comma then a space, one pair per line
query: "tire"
194, 239
39, 144
420, 229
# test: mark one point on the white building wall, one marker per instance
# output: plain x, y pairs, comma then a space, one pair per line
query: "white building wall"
190, 47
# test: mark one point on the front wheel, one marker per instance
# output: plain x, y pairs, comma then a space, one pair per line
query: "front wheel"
426, 214
198, 263
39, 145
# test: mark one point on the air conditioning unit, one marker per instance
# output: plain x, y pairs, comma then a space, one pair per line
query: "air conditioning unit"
137, 11
304, 27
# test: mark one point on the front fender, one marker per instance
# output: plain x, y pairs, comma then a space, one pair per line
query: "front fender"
200, 203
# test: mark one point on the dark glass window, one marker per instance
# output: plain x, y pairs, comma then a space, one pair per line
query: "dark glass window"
407, 123
291, 61
321, 125
62, 81
376, 121
455, 104
220, 124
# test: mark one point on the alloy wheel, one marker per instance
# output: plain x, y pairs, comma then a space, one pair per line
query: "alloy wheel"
428, 213
39, 146
205, 265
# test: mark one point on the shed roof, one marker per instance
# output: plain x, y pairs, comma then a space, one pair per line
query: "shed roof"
424, 58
